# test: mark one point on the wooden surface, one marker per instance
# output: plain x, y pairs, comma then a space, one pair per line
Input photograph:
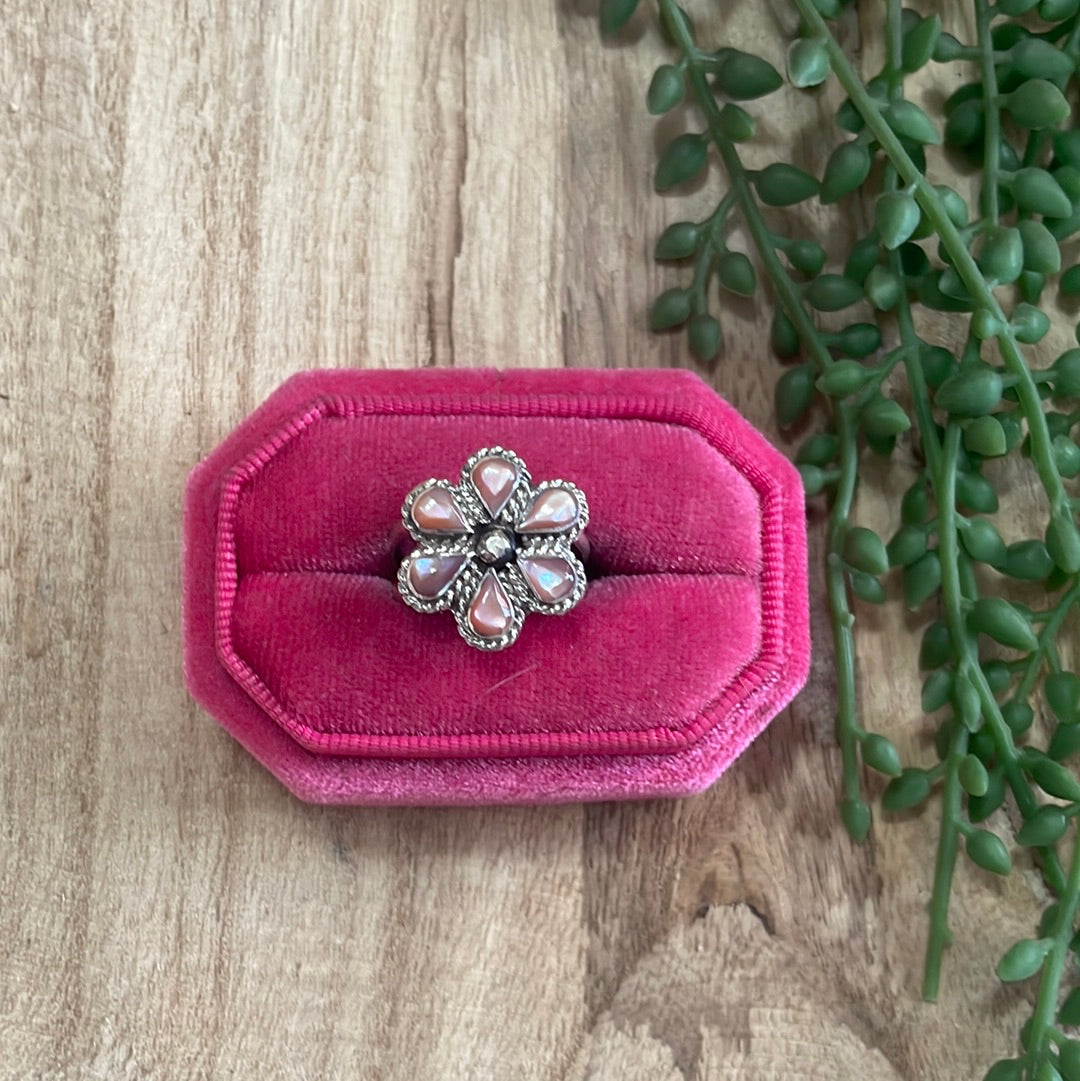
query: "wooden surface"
198, 198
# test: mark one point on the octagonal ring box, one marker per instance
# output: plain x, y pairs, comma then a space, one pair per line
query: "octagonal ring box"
693, 632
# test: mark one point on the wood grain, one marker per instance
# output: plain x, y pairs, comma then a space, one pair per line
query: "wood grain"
197, 199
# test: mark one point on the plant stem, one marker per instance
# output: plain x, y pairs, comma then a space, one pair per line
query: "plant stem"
992, 118
1025, 387
1054, 965
791, 302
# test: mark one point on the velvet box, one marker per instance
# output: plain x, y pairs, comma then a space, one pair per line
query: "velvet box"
693, 632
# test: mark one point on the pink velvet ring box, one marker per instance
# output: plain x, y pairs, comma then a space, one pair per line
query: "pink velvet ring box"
692, 635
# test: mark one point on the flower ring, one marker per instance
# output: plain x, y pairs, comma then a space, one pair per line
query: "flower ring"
493, 547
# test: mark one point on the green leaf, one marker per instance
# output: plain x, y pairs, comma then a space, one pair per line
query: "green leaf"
1044, 827
981, 808
1066, 455
813, 479
1053, 11
1066, 373
848, 166
937, 689
1018, 716
965, 126
971, 392
1023, 959
967, 704
1028, 561
794, 393
807, 63
1034, 58
679, 240
781, 184
921, 580
855, 815
666, 89
866, 587
783, 337
859, 340
896, 215
988, 851
864, 550
973, 776
999, 620
705, 337
910, 122
1037, 104
615, 14
937, 364
935, 649
843, 378
1029, 324
820, 449
1062, 691
997, 674
883, 418
919, 43
670, 309
955, 207
1001, 256
833, 292
806, 256
883, 288
880, 755
985, 436
682, 160
736, 123
1063, 543
1054, 779
1039, 193
1064, 743
863, 257
1041, 251
1006, 1069
908, 790
737, 273
1069, 1013
913, 504
907, 545
743, 76
1069, 1059
976, 493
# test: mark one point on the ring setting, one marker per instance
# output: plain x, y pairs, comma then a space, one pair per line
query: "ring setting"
493, 548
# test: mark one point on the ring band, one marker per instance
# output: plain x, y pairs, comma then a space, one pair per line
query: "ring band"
494, 547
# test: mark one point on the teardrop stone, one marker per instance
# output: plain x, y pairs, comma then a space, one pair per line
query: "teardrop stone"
430, 575
490, 612
494, 479
551, 578
435, 511
553, 511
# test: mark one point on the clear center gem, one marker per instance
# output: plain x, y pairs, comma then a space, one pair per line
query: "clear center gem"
495, 546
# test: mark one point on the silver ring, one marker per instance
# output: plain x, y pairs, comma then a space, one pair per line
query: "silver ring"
493, 547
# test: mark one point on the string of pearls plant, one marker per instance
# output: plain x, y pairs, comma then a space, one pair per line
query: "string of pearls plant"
997, 691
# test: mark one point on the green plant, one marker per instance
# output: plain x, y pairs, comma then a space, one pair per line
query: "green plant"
992, 656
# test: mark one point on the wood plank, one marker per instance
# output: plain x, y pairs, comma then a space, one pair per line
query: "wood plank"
198, 200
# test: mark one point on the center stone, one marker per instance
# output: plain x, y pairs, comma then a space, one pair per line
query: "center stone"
495, 546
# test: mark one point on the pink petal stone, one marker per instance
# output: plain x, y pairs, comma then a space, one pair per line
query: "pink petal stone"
490, 613
435, 511
551, 578
430, 575
553, 511
494, 479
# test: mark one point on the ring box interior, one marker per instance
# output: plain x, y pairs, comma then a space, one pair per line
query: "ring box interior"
692, 635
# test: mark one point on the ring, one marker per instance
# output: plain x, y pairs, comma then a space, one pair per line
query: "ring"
493, 547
